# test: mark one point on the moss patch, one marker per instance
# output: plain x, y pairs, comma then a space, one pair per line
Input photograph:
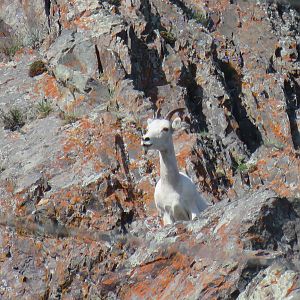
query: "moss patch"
37, 68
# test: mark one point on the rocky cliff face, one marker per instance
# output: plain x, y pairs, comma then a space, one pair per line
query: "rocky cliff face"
78, 219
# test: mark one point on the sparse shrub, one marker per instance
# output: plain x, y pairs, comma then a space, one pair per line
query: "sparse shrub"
68, 117
12, 50
244, 167
44, 108
10, 46
200, 17
168, 36
33, 37
37, 68
13, 120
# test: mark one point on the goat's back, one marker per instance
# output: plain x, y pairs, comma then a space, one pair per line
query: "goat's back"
190, 197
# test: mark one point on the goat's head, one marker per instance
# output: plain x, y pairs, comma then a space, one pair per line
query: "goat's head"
159, 132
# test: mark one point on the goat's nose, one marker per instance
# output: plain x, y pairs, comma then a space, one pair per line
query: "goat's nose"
146, 139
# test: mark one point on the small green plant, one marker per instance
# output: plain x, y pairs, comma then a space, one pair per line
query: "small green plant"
13, 119
10, 50
204, 134
44, 108
242, 168
111, 92
68, 117
168, 36
200, 17
10, 46
37, 68
245, 167
34, 37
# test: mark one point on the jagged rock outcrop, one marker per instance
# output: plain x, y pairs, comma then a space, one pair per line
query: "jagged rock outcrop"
76, 194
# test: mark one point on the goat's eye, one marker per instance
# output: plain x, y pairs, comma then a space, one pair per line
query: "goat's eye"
166, 129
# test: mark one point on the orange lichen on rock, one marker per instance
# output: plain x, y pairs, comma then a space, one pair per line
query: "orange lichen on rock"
48, 87
165, 270
183, 142
293, 287
82, 23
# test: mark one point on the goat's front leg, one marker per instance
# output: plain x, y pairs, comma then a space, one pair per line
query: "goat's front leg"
180, 214
167, 219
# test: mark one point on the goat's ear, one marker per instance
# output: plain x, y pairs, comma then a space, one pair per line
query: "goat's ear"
176, 124
149, 121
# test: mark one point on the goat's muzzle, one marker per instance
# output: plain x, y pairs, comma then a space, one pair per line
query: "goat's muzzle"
146, 143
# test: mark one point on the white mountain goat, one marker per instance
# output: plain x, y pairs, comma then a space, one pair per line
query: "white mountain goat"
175, 195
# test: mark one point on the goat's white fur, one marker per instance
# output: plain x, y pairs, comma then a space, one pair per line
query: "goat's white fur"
175, 195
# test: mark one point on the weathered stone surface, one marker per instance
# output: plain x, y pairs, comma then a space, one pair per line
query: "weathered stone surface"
77, 217
276, 282
28, 19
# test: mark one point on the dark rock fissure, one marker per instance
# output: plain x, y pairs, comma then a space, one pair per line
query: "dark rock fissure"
271, 68
60, 27
120, 146
180, 4
194, 98
204, 166
191, 14
125, 218
271, 226
153, 21
292, 93
247, 131
146, 71
47, 12
248, 273
100, 68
